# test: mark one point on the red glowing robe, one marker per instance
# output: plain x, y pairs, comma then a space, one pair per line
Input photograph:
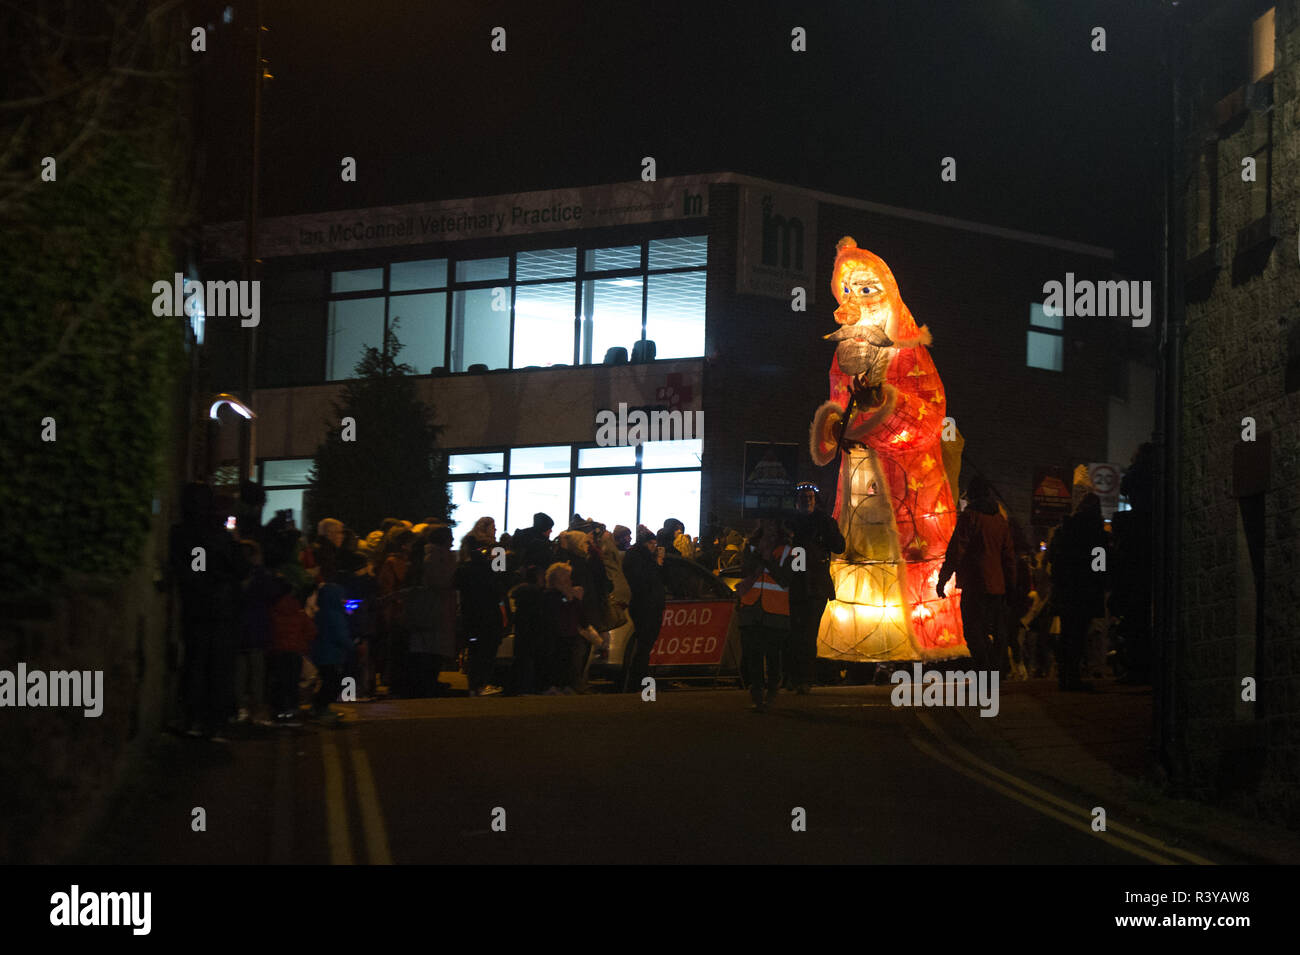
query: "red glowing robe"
895, 500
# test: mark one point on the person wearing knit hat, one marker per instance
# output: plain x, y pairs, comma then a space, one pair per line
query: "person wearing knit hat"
532, 545
665, 538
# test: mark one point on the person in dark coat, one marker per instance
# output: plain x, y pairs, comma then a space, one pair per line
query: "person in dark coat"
259, 592
482, 604
248, 512
984, 560
643, 568
1038, 620
1078, 590
1019, 600
531, 672
763, 598
390, 661
209, 569
433, 636
819, 536
532, 545
325, 550
357, 578
330, 650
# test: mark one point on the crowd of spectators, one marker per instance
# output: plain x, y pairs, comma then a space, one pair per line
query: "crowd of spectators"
273, 622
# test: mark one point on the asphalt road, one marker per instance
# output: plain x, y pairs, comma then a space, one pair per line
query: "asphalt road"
693, 776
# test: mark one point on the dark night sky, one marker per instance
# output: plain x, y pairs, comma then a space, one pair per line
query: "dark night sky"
1048, 135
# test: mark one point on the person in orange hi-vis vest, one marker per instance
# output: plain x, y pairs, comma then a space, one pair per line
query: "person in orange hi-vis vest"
899, 461
764, 596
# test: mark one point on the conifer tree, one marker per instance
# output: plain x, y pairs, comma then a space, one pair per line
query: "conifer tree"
380, 457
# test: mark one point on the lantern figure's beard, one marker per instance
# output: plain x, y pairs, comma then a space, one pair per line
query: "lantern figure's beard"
863, 349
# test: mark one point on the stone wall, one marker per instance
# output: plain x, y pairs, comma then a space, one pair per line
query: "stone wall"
61, 766
1235, 353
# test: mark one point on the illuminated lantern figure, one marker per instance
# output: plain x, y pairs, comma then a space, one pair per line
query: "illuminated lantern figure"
895, 503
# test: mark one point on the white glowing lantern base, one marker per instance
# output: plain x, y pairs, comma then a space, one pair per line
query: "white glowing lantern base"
867, 620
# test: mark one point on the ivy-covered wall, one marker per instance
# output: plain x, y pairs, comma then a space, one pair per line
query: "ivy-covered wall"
95, 169
86, 371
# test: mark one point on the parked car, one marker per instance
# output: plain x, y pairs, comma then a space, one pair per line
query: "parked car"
697, 600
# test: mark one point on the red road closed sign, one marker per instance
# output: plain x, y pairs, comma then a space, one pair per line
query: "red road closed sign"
694, 633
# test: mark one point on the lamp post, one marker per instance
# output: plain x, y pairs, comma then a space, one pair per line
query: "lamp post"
247, 462
248, 431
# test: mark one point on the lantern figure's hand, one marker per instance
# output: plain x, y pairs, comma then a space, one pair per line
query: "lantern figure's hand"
864, 394
837, 429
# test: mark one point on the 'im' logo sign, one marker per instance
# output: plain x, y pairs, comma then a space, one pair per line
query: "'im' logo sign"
785, 231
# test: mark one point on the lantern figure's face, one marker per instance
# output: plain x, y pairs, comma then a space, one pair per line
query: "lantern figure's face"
867, 297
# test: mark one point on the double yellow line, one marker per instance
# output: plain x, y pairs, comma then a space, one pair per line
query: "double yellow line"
336, 814
962, 760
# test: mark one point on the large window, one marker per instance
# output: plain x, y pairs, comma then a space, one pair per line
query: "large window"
285, 482
480, 329
618, 485
544, 324
675, 314
355, 325
408, 297
664, 301
1045, 345
419, 318
611, 316
475, 499
538, 308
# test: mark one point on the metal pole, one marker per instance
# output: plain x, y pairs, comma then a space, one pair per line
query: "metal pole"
247, 462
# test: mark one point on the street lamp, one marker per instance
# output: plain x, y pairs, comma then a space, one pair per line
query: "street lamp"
248, 434
234, 403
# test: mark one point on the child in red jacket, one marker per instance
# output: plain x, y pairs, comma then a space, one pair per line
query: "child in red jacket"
292, 633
